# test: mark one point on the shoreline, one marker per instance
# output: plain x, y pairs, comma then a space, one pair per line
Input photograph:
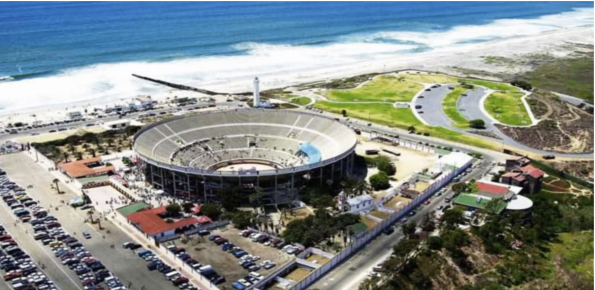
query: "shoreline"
467, 56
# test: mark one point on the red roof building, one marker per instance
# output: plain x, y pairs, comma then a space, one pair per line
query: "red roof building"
85, 168
528, 177
152, 224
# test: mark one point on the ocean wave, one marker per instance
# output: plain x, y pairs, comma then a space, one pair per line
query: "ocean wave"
113, 81
498, 29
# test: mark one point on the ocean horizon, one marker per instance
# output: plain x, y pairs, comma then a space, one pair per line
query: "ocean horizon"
67, 52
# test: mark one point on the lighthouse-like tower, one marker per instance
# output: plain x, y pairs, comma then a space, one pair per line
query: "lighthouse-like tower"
256, 93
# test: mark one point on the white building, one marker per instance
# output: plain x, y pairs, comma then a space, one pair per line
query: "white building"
141, 103
456, 161
116, 125
76, 115
360, 203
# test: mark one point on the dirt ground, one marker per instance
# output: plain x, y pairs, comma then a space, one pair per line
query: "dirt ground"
316, 259
564, 128
398, 202
370, 224
208, 253
410, 161
380, 214
59, 135
301, 213
421, 185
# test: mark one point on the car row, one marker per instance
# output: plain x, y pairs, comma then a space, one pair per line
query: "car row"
156, 264
19, 269
47, 230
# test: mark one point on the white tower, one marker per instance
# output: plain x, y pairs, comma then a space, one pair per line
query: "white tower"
256, 93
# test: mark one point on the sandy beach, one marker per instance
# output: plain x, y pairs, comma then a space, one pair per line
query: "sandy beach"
444, 60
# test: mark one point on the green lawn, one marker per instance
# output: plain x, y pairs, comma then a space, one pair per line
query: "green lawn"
449, 105
302, 101
576, 252
572, 76
382, 88
490, 85
429, 78
508, 108
386, 114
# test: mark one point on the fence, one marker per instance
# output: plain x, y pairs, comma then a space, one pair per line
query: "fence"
360, 242
42, 158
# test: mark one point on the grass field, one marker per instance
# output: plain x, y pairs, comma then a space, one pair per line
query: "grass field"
572, 76
386, 114
380, 89
302, 101
508, 108
430, 78
490, 85
449, 105
576, 252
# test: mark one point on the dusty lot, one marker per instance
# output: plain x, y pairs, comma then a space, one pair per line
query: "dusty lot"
379, 214
370, 223
398, 202
208, 253
409, 162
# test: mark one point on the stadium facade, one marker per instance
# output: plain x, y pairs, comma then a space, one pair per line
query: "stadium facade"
200, 155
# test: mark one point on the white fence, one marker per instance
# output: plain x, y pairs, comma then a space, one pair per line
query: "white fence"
360, 242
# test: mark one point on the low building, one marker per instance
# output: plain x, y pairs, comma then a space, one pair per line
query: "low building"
455, 161
75, 116
141, 103
410, 193
360, 203
516, 163
116, 125
505, 197
528, 177
151, 222
90, 167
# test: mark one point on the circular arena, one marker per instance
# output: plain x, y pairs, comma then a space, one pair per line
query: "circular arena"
200, 155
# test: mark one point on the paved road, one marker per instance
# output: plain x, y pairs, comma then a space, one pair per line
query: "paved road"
432, 107
5, 136
354, 271
122, 263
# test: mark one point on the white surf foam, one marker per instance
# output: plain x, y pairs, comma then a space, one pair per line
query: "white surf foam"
109, 82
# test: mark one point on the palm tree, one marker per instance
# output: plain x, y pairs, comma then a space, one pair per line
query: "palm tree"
90, 213
256, 198
361, 186
56, 181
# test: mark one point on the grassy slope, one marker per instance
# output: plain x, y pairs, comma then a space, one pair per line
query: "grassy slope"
429, 78
386, 114
576, 252
507, 108
490, 85
301, 101
383, 88
568, 76
449, 105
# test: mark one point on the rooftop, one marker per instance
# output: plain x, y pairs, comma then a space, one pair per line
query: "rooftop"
480, 202
152, 224
85, 167
359, 199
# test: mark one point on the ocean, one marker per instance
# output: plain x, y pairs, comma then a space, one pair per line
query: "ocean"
62, 52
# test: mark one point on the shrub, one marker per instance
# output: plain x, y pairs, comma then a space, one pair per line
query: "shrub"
522, 84
477, 124
379, 181
386, 166
211, 210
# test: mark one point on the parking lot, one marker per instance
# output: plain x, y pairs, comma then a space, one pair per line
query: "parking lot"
133, 272
208, 252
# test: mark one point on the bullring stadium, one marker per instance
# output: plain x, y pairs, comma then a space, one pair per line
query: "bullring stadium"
277, 150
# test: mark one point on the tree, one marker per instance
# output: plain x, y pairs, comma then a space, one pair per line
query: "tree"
173, 209
522, 84
230, 198
409, 229
386, 166
459, 187
477, 124
256, 198
344, 113
56, 181
435, 243
452, 218
411, 129
211, 210
379, 181
323, 201
242, 219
